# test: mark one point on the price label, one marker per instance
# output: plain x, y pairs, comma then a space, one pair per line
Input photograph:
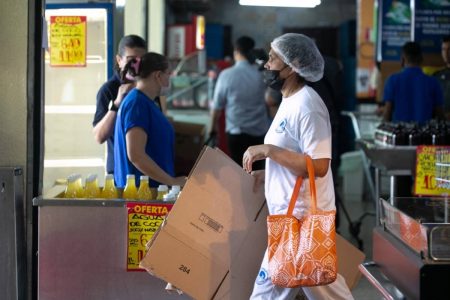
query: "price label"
67, 36
431, 171
143, 221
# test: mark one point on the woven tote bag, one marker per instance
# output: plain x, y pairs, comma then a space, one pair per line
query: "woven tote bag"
302, 252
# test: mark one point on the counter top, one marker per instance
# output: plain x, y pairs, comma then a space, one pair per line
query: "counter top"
40, 201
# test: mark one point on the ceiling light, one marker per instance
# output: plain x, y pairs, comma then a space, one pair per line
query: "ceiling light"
281, 3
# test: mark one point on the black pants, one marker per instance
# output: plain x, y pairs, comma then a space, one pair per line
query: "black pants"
238, 144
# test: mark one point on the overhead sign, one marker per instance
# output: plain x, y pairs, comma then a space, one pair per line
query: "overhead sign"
395, 28
432, 22
200, 32
67, 41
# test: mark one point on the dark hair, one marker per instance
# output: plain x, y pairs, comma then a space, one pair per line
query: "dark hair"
149, 63
245, 45
446, 39
412, 52
131, 41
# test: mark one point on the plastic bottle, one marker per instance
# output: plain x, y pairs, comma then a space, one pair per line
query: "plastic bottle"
144, 192
130, 191
175, 190
162, 190
92, 189
109, 190
169, 197
71, 189
79, 186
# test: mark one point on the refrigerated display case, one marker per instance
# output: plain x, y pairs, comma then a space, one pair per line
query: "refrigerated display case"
70, 93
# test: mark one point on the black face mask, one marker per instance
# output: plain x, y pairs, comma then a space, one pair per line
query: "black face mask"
272, 79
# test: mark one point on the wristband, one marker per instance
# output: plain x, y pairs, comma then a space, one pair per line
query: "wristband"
112, 106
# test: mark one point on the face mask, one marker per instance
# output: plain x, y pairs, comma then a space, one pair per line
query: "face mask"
272, 79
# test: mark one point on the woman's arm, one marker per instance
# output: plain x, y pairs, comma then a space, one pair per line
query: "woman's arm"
291, 160
136, 140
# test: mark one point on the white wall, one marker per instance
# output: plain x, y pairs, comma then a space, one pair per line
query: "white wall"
13, 82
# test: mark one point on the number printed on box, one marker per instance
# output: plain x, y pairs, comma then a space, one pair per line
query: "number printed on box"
184, 269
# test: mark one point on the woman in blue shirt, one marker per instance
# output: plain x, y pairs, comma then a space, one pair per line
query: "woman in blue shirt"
144, 138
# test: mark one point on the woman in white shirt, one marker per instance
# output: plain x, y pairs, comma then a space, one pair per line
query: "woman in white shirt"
300, 127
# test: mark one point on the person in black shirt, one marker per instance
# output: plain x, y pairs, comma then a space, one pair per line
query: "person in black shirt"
112, 93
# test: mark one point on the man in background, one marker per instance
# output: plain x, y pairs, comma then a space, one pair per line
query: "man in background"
443, 76
410, 95
240, 90
112, 93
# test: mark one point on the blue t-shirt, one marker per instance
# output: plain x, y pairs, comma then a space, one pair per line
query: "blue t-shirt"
137, 110
240, 90
413, 95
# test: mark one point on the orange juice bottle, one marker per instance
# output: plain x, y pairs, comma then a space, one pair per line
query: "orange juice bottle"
71, 188
109, 190
144, 192
130, 190
162, 190
79, 186
92, 189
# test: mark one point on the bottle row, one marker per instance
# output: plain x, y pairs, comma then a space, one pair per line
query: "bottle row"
91, 189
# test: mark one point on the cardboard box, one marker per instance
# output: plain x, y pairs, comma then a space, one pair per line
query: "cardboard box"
349, 258
214, 238
189, 139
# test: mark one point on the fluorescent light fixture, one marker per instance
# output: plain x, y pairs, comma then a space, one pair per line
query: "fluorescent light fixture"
281, 3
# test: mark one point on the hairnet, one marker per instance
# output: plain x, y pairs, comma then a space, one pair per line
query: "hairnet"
301, 54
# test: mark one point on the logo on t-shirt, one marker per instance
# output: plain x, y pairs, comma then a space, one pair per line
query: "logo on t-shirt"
281, 127
263, 275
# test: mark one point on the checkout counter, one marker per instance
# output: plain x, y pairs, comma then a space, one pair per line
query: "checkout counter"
82, 252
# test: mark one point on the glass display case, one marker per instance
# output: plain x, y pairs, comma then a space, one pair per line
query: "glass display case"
423, 224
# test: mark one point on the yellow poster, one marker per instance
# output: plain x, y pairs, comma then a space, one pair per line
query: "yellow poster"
143, 221
432, 171
67, 41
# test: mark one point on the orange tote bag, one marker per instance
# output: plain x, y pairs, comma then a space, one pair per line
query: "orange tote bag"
302, 252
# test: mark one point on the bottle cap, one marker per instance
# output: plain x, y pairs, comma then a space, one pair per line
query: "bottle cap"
109, 176
163, 188
175, 188
71, 178
130, 176
144, 177
168, 197
91, 177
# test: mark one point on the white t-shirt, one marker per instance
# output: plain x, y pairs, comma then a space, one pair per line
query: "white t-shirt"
302, 124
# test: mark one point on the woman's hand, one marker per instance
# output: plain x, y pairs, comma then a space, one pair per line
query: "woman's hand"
253, 154
181, 181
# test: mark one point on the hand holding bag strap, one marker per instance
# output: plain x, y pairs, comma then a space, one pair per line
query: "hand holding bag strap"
298, 184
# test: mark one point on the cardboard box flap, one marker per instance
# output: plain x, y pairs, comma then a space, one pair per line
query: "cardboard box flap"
183, 265
349, 258
219, 220
245, 266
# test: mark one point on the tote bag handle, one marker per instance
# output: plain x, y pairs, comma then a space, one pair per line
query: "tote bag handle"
312, 188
